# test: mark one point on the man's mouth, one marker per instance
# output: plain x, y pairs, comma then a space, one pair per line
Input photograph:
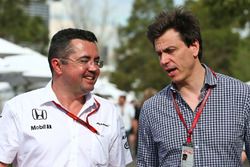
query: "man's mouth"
171, 71
90, 77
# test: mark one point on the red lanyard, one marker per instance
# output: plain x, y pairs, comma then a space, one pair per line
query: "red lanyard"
197, 116
77, 119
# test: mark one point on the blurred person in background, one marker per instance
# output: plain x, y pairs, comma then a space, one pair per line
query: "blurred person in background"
149, 92
127, 112
64, 124
202, 118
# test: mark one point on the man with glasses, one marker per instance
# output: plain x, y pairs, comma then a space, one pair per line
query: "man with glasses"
64, 124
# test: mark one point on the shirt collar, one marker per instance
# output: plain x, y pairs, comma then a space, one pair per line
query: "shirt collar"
210, 78
49, 96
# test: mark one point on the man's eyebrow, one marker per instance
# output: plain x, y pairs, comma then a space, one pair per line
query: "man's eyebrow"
169, 49
88, 57
85, 56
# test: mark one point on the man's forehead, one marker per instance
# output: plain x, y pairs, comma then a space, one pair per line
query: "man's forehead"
161, 45
168, 40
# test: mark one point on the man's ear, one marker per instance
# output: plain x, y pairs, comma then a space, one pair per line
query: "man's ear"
195, 47
56, 65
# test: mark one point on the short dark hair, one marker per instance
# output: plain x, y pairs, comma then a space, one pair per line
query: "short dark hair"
60, 42
180, 20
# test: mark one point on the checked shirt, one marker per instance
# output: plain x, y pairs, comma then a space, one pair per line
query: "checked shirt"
218, 138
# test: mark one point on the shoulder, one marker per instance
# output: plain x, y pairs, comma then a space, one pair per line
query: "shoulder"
22, 104
232, 88
29, 97
229, 82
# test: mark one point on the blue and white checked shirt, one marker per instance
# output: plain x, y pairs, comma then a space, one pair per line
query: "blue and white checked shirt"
218, 137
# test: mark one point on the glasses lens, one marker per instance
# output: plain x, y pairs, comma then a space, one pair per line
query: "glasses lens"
100, 64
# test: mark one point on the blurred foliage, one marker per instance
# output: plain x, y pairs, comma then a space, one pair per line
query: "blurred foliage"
221, 21
137, 64
241, 62
224, 50
20, 28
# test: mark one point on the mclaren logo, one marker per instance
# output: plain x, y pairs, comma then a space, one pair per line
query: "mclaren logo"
39, 114
102, 124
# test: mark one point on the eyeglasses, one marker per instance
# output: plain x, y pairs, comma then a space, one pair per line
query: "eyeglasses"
84, 61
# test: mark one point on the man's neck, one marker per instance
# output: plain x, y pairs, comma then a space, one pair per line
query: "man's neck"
190, 89
194, 83
70, 101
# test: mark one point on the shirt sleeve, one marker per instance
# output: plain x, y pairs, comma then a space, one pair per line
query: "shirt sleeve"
8, 135
120, 154
147, 151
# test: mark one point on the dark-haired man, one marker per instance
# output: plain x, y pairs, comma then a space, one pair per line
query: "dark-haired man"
202, 115
64, 124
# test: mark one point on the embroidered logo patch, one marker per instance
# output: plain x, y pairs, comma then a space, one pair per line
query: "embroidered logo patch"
39, 114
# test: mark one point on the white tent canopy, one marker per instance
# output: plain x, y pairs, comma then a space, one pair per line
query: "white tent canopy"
30, 68
8, 48
20, 66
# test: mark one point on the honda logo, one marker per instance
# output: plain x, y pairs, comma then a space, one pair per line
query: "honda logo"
39, 114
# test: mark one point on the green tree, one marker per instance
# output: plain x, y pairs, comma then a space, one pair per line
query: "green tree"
240, 66
20, 28
224, 49
137, 64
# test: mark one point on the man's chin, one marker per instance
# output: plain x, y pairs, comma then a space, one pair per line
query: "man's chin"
87, 90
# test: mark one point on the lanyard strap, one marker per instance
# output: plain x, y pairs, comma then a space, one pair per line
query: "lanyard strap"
79, 120
197, 116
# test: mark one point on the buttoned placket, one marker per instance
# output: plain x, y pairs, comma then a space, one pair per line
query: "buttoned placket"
74, 137
73, 143
196, 131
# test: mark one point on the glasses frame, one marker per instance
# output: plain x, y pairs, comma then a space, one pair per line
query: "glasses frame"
84, 63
